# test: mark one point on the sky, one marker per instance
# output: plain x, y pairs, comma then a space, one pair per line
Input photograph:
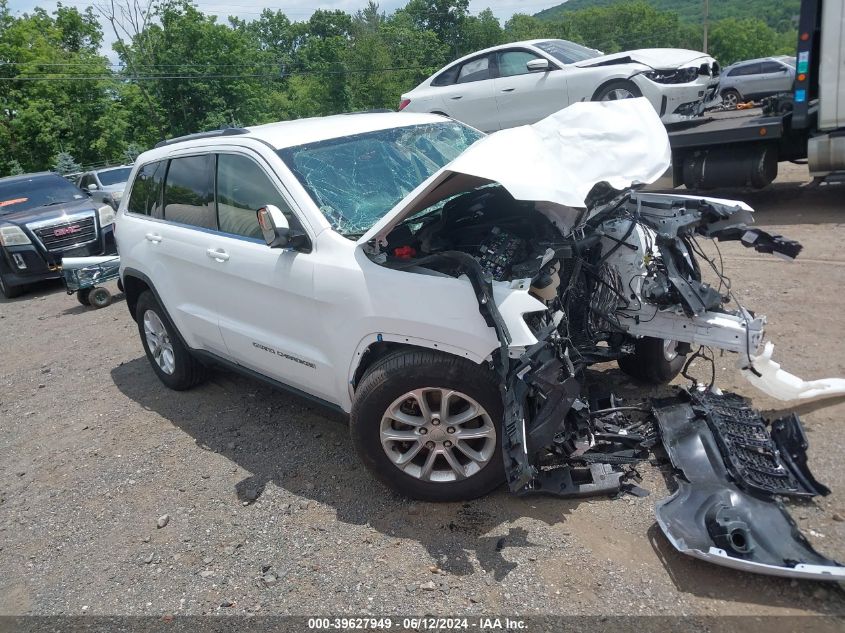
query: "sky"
296, 10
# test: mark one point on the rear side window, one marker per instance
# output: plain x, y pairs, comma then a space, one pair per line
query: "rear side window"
242, 189
189, 191
145, 198
772, 67
447, 77
748, 69
475, 70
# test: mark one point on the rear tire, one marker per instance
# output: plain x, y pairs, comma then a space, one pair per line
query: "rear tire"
170, 359
654, 361
452, 453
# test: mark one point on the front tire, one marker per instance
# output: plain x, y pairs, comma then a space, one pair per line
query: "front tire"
616, 90
9, 291
428, 425
654, 361
170, 359
730, 98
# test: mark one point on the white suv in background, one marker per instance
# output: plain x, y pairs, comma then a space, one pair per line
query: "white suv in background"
445, 288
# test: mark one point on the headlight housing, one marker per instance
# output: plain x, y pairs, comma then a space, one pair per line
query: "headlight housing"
11, 235
106, 214
672, 75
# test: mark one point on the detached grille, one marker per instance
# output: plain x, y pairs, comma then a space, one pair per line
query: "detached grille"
67, 234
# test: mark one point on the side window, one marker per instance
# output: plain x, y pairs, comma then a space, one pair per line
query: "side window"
514, 63
145, 198
772, 67
475, 70
447, 77
242, 189
748, 69
189, 191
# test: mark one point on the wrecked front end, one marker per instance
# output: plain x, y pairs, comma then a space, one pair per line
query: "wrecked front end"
617, 274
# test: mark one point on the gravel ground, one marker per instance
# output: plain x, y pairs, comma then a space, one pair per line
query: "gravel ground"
118, 496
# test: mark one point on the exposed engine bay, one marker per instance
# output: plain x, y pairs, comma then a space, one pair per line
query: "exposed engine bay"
622, 277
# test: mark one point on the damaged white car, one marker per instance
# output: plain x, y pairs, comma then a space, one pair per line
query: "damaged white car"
448, 290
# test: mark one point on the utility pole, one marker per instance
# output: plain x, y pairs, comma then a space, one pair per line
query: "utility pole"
706, 17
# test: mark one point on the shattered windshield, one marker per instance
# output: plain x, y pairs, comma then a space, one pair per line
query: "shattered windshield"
355, 180
568, 52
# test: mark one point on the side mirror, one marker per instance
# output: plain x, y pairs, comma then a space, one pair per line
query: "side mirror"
92, 187
537, 65
277, 232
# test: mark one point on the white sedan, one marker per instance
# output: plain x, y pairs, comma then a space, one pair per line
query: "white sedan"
523, 82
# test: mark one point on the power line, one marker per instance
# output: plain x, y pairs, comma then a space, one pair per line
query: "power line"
214, 76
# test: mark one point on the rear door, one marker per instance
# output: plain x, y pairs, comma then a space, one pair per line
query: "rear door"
524, 97
471, 98
181, 245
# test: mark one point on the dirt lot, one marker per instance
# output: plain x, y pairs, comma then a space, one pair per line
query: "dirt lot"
271, 513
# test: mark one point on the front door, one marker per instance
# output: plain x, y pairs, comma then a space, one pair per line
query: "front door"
525, 97
268, 316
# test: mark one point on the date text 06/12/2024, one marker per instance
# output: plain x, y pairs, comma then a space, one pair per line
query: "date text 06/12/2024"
418, 623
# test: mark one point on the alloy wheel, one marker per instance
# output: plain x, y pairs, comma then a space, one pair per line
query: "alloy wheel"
159, 342
618, 93
438, 435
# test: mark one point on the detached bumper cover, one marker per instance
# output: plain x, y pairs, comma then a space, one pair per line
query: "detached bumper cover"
712, 518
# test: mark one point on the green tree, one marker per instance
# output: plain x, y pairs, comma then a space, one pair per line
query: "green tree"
54, 90
445, 18
15, 168
733, 40
481, 31
64, 163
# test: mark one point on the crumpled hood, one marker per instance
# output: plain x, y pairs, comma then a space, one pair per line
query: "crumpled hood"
557, 160
652, 57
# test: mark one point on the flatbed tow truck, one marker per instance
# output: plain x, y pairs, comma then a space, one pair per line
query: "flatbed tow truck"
743, 147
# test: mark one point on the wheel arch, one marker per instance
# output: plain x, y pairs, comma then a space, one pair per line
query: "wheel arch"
614, 80
374, 347
134, 283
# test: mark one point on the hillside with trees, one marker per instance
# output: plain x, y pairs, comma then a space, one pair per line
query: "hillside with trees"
180, 70
780, 15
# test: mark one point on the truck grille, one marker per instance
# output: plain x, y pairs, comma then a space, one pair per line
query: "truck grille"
67, 234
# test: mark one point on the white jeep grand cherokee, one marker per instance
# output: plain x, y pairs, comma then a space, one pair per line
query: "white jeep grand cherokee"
445, 288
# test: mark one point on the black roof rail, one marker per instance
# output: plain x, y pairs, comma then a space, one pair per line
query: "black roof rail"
226, 131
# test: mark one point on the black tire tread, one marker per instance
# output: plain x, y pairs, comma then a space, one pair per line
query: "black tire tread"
448, 366
648, 365
189, 372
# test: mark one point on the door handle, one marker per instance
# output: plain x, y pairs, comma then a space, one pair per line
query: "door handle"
155, 238
217, 253
456, 98
508, 89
